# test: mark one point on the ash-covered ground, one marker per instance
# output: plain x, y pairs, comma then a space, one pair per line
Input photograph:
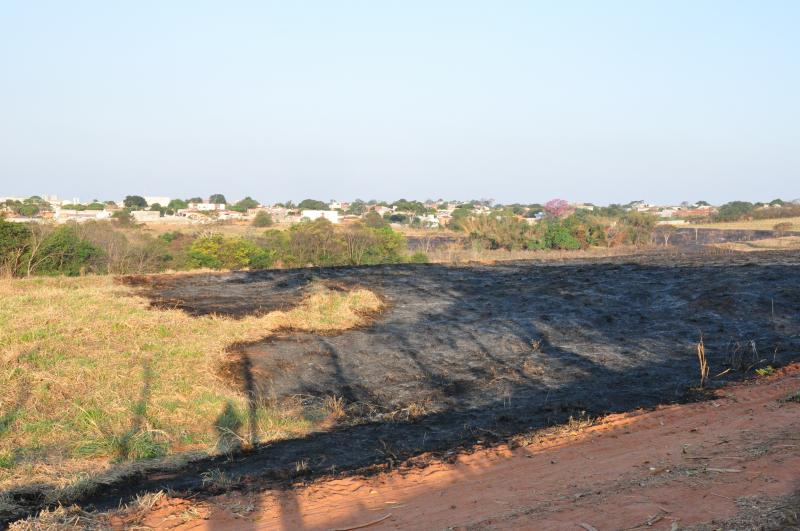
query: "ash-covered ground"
595, 336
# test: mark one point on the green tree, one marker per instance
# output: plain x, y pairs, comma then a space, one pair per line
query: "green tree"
262, 219
63, 252
134, 201
387, 247
245, 204
374, 220
639, 227
357, 207
217, 199
123, 217
734, 211
177, 204
312, 204
14, 240
412, 206
316, 242
27, 210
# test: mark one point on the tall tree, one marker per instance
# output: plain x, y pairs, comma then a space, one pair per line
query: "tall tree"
134, 201
312, 204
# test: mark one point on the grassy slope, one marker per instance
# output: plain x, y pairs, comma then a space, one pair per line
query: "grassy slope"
90, 374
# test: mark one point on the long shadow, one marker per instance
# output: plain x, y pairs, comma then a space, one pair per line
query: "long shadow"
10, 415
496, 351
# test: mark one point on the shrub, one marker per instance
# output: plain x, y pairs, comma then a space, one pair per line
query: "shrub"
734, 211
374, 220
638, 227
64, 252
262, 219
418, 258
558, 236
217, 252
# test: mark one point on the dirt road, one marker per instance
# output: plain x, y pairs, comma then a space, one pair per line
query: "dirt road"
733, 459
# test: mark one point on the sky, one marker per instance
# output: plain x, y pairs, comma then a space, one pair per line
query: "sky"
517, 101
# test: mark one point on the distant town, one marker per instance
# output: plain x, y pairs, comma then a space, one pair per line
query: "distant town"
422, 214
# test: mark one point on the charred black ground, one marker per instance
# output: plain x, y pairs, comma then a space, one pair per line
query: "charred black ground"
487, 351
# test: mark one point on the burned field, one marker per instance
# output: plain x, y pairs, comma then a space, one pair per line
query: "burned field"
471, 353
596, 337
478, 353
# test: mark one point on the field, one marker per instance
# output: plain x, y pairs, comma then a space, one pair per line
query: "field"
92, 376
753, 224
309, 373
766, 244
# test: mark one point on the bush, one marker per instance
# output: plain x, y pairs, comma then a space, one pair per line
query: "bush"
374, 220
734, 211
638, 227
387, 246
558, 236
262, 219
217, 252
63, 252
316, 242
418, 258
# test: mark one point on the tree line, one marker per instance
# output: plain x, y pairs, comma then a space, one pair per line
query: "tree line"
105, 247
579, 230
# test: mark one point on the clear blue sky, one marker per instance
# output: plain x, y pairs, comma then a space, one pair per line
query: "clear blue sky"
597, 101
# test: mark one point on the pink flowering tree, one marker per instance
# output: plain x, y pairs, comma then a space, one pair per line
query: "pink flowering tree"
556, 208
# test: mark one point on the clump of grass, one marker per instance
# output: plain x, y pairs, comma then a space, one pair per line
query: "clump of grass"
766, 371
71, 518
89, 370
334, 406
217, 479
531, 368
794, 397
301, 466
701, 358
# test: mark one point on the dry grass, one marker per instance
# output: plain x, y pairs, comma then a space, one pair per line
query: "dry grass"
457, 254
701, 358
786, 243
71, 518
754, 224
90, 374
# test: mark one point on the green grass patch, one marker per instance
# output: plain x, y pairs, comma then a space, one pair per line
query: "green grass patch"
89, 370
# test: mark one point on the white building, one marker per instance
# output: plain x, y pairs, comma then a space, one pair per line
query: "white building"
330, 215
143, 216
79, 216
206, 207
429, 220
153, 199
668, 212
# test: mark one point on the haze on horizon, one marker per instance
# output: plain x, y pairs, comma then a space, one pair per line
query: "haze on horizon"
592, 101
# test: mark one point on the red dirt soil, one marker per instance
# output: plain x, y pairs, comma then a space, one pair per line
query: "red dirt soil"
684, 464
